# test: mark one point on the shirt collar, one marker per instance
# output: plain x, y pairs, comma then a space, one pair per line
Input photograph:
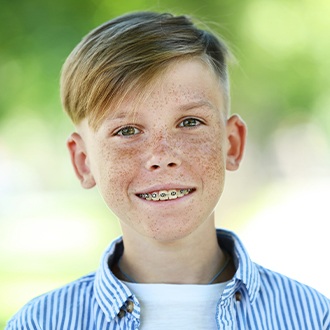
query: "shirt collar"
111, 294
246, 270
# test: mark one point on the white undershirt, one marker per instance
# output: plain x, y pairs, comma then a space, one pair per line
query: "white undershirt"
175, 306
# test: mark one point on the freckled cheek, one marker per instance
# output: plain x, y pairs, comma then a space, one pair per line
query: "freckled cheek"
207, 154
209, 165
116, 169
213, 172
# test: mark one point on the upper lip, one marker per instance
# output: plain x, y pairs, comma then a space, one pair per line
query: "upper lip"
168, 186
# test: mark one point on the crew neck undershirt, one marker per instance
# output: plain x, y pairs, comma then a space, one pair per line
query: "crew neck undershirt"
177, 306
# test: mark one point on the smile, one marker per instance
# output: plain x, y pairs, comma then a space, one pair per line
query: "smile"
164, 195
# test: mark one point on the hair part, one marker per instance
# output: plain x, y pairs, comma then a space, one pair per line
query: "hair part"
127, 54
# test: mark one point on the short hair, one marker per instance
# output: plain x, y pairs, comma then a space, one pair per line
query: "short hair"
126, 54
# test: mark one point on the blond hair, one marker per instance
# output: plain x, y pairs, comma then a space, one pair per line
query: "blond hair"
126, 54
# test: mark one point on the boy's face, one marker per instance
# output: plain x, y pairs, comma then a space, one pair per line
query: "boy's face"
174, 146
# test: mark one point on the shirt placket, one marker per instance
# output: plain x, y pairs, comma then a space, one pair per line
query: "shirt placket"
129, 315
230, 310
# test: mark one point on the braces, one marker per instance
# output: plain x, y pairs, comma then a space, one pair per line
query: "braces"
165, 194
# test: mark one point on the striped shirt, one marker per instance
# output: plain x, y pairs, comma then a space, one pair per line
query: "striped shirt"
256, 298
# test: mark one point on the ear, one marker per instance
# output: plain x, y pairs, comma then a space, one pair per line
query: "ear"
236, 138
78, 153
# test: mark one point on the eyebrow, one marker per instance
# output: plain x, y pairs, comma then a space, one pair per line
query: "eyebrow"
182, 108
196, 104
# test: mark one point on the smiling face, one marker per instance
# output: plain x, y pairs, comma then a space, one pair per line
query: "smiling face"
161, 167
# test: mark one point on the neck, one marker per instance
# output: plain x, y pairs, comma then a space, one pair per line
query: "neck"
195, 259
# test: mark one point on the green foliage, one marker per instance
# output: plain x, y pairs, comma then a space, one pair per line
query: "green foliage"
282, 48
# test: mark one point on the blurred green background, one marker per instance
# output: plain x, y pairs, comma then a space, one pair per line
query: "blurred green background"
53, 231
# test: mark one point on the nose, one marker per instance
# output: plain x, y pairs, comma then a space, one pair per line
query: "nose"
163, 154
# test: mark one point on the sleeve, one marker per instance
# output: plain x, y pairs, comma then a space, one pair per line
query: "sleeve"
26, 318
326, 322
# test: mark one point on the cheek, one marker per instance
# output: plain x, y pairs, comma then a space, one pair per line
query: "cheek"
209, 164
207, 153
117, 168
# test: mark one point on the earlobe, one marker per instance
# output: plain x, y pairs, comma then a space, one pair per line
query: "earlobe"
236, 137
78, 156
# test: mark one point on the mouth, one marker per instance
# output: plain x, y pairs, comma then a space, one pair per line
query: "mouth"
164, 195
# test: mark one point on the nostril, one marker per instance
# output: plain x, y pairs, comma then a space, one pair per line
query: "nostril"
157, 164
156, 167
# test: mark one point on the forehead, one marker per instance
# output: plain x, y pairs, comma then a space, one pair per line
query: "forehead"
181, 84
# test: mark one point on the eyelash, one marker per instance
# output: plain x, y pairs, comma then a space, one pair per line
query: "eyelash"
120, 131
196, 121
188, 121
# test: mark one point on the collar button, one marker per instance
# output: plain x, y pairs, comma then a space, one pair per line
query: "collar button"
121, 313
130, 306
238, 296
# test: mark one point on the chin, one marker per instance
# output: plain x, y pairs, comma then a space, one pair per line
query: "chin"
171, 234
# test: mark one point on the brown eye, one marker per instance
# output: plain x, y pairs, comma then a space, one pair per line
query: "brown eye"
190, 122
128, 131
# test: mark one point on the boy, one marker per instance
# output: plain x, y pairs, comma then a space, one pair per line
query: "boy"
149, 96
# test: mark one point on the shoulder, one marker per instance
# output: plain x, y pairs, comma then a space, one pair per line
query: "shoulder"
276, 281
291, 293
275, 298
40, 312
271, 282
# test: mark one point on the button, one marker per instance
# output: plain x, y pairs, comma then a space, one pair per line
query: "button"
238, 296
130, 306
121, 313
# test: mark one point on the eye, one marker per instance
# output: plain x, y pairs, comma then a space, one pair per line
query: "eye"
128, 131
190, 122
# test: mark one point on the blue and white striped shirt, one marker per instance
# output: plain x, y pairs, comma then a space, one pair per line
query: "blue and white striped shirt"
256, 298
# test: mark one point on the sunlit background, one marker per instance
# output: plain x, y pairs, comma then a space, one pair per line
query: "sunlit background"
53, 232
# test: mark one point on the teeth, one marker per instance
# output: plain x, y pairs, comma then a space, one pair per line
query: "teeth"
181, 193
164, 195
172, 194
154, 196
